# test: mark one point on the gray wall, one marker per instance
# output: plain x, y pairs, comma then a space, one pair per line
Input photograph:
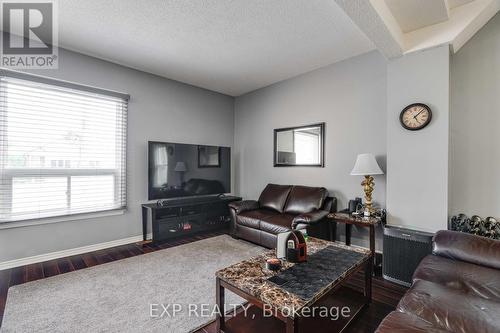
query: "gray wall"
475, 124
159, 110
349, 96
417, 161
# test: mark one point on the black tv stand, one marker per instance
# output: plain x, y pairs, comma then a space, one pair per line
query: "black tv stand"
190, 200
186, 216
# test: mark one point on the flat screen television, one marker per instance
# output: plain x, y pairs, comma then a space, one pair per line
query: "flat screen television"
183, 170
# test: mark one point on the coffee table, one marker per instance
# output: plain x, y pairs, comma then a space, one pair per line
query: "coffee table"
307, 286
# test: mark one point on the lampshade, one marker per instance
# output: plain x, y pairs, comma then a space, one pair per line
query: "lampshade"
366, 165
180, 167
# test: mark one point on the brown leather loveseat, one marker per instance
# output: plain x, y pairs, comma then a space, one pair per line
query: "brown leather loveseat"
281, 208
456, 289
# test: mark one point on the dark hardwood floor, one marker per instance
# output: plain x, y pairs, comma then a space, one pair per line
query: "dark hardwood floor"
385, 294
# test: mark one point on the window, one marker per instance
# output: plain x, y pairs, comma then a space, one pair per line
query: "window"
307, 147
160, 165
62, 148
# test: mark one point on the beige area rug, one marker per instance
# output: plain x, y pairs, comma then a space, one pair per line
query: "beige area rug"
127, 295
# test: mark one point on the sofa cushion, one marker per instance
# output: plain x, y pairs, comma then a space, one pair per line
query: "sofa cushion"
305, 199
471, 279
399, 322
466, 247
274, 197
277, 224
450, 309
252, 218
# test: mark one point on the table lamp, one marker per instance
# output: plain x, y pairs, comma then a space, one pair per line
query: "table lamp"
181, 167
366, 165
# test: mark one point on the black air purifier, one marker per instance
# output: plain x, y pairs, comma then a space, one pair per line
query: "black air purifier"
403, 251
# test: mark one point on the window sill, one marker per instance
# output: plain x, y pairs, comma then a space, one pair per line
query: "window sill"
57, 219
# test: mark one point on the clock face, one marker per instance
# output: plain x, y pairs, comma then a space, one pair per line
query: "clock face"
415, 117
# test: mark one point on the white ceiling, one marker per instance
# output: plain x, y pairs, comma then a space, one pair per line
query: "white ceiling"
456, 3
399, 27
229, 46
415, 14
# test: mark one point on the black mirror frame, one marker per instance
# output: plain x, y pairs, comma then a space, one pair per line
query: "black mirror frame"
322, 146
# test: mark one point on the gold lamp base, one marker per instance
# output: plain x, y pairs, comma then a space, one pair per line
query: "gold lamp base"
368, 186
366, 165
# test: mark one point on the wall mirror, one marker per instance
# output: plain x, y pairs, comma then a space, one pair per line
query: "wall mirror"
208, 157
299, 146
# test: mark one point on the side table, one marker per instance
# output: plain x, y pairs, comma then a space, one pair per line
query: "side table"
349, 220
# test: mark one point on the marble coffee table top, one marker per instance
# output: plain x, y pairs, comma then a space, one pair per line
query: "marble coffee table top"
328, 264
360, 220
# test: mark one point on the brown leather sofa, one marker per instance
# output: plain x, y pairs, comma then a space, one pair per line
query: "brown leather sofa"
456, 289
281, 208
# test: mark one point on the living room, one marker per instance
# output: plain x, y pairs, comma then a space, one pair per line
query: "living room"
228, 166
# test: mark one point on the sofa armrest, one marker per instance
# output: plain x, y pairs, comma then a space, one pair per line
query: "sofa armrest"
466, 247
243, 206
309, 218
330, 204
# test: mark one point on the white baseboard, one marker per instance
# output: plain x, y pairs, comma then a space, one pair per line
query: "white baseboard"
69, 252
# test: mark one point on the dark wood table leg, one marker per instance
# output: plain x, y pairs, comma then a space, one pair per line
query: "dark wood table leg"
333, 231
372, 243
348, 229
291, 325
219, 298
368, 280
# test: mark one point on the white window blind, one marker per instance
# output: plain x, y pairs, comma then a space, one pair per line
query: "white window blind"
62, 149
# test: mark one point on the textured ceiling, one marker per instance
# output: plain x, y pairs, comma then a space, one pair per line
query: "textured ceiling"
386, 36
230, 46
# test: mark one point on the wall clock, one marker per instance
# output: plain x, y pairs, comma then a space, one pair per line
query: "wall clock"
416, 116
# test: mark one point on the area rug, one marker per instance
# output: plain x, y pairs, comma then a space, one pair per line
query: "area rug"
136, 294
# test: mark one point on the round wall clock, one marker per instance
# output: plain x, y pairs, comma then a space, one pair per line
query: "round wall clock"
416, 116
